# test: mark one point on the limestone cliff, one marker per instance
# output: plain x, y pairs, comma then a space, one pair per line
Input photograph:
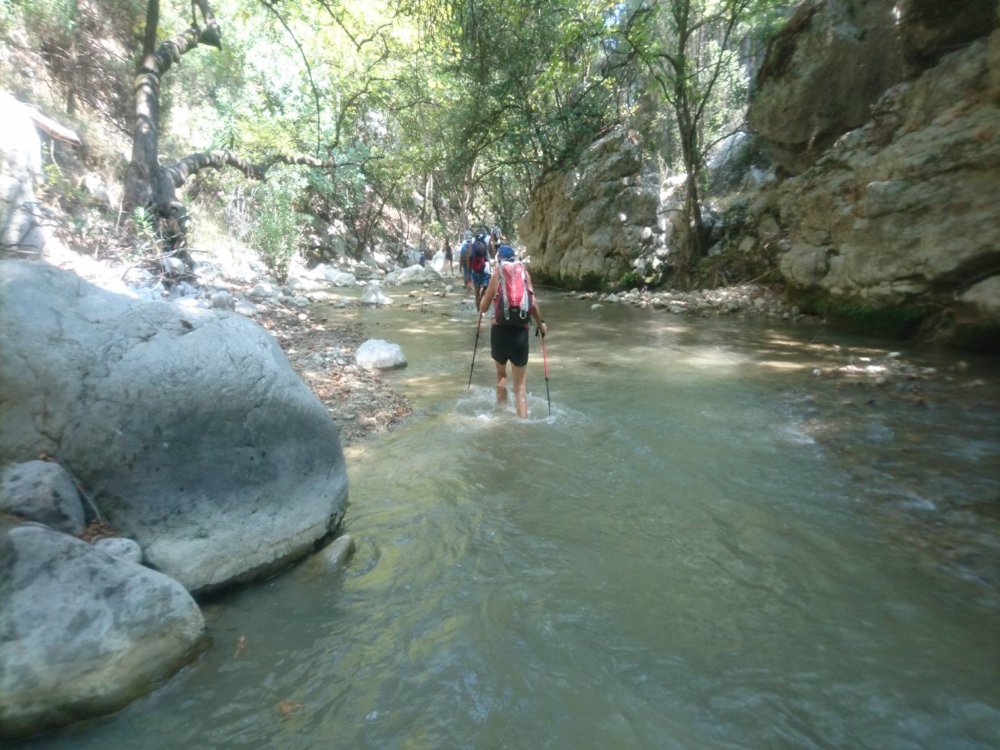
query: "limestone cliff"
897, 217
589, 226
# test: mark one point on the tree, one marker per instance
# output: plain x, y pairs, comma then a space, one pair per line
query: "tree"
687, 48
526, 90
149, 184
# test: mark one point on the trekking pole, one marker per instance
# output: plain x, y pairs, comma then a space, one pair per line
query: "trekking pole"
545, 367
476, 346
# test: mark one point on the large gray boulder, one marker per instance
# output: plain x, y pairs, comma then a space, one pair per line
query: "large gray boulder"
20, 170
188, 428
82, 633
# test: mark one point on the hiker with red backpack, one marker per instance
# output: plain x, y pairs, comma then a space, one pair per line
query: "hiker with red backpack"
514, 305
479, 263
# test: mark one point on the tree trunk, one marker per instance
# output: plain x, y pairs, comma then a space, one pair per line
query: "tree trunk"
147, 183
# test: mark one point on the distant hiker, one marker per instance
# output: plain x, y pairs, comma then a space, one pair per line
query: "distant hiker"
463, 259
448, 258
479, 262
514, 305
494, 243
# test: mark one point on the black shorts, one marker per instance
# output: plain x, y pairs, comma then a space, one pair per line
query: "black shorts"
509, 343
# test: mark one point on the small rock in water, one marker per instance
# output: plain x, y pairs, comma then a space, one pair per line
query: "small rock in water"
337, 552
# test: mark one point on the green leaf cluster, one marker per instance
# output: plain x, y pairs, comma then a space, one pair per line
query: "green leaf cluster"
449, 111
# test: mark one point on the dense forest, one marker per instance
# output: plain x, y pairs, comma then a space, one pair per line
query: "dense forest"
330, 127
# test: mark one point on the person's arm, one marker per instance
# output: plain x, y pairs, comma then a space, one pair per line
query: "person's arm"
489, 294
536, 311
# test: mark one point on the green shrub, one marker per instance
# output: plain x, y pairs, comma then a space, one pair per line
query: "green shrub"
631, 280
275, 231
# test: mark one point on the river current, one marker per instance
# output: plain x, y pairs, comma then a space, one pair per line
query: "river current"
726, 533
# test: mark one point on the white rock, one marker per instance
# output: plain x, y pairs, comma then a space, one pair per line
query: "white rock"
223, 301
373, 295
247, 309
380, 355
264, 290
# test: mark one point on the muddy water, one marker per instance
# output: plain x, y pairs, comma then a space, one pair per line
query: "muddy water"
726, 533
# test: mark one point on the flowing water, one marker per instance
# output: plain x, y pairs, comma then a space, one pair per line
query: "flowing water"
704, 545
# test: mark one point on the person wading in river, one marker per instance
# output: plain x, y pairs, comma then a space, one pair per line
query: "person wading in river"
463, 259
514, 305
479, 262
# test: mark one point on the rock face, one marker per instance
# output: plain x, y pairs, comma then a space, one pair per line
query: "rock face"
822, 73
897, 217
188, 428
20, 169
834, 59
82, 633
586, 228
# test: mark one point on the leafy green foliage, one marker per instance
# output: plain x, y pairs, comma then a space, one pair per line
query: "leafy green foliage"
439, 113
84, 46
146, 241
274, 232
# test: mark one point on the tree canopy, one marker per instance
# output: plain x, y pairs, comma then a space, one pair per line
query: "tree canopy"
424, 115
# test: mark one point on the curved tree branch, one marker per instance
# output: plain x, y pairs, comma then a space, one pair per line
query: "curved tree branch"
182, 170
143, 181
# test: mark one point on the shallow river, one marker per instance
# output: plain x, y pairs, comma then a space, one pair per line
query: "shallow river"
705, 545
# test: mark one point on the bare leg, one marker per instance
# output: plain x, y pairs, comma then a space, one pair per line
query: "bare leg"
501, 383
520, 390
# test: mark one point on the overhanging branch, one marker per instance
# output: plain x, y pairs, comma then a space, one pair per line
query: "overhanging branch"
181, 171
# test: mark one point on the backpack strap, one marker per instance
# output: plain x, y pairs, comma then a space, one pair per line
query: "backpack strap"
503, 290
529, 294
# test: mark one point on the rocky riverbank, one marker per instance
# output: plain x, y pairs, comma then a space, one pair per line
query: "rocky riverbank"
319, 345
322, 353
755, 299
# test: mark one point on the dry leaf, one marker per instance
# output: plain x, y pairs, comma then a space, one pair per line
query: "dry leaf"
290, 707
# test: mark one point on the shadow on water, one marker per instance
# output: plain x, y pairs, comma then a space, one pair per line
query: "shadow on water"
728, 533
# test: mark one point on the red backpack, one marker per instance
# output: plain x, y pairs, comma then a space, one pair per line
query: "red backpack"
515, 297
479, 255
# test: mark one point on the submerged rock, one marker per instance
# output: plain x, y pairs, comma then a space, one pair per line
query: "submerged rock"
338, 551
